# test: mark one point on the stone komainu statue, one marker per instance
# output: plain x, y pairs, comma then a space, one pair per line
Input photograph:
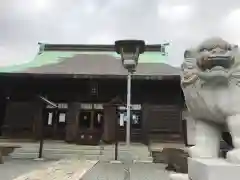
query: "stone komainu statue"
210, 81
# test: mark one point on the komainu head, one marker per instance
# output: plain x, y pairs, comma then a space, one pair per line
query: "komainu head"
212, 60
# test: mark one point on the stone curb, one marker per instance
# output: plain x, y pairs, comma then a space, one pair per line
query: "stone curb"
142, 161
116, 162
134, 162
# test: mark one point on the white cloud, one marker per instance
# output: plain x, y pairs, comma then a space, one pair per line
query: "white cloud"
175, 13
90, 7
230, 26
41, 5
182, 22
34, 6
14, 55
105, 38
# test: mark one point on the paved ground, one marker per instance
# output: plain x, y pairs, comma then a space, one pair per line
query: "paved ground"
102, 171
65, 169
140, 171
13, 168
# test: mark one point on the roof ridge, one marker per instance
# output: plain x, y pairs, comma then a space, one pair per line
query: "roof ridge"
91, 47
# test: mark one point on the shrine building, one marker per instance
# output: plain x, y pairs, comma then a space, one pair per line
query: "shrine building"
88, 84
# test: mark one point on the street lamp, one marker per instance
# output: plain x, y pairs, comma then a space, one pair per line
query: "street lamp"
46, 101
129, 51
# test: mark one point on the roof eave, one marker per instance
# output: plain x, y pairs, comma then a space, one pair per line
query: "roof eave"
91, 76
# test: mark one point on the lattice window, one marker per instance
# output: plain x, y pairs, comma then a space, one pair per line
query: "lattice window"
94, 88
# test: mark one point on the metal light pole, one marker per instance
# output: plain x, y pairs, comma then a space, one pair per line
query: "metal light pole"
128, 130
45, 100
129, 51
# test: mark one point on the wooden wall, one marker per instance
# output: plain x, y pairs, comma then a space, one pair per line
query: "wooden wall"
22, 119
23, 109
162, 123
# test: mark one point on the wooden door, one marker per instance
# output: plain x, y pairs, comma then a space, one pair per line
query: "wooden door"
136, 126
122, 124
48, 123
60, 125
110, 120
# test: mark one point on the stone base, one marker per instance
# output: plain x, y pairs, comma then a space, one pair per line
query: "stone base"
39, 159
178, 176
212, 169
116, 162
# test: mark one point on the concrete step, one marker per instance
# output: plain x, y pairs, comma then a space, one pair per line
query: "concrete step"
54, 156
104, 157
52, 145
134, 156
128, 154
60, 151
142, 148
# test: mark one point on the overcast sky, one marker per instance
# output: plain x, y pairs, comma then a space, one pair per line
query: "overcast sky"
183, 23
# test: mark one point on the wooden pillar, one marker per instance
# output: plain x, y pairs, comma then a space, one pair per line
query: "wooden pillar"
55, 122
145, 125
38, 120
72, 121
110, 120
5, 130
92, 117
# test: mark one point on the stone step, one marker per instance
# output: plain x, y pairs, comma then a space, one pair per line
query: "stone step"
144, 148
129, 155
60, 151
63, 150
54, 156
127, 151
104, 157
24, 155
110, 153
134, 157
53, 145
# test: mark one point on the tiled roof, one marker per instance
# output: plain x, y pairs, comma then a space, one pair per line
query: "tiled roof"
92, 60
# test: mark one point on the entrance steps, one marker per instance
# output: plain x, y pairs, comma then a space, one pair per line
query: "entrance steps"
60, 150
55, 150
135, 152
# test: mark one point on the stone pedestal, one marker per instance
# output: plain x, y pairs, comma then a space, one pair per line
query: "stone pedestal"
209, 169
212, 169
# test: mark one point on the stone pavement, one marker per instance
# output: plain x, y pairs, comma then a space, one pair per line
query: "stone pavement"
103, 170
13, 168
138, 171
71, 169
